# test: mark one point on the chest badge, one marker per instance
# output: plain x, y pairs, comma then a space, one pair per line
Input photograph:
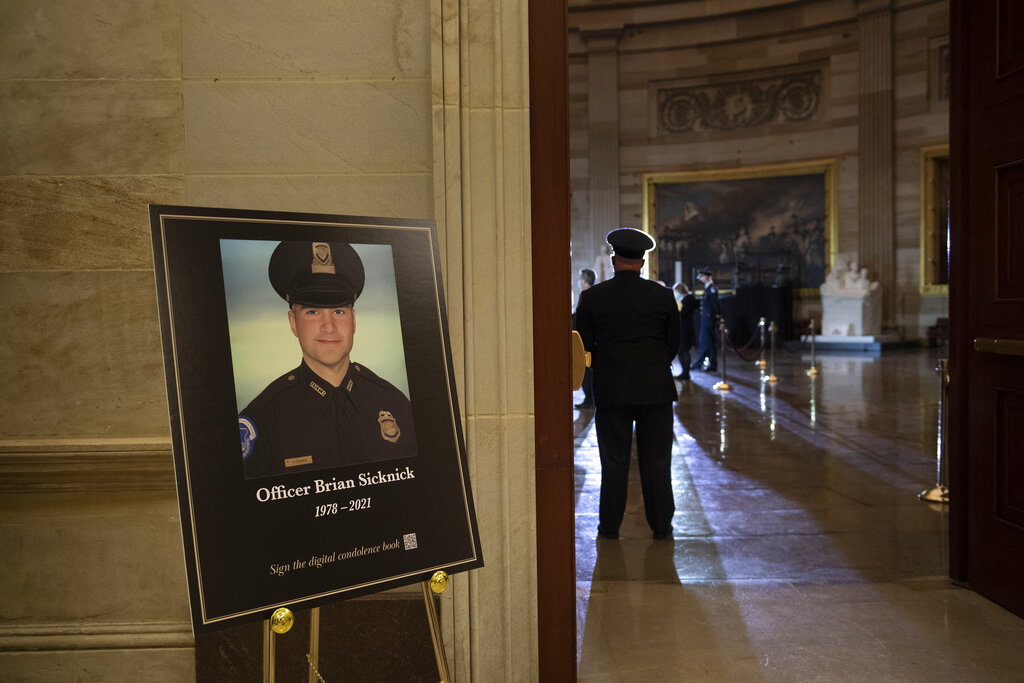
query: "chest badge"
389, 430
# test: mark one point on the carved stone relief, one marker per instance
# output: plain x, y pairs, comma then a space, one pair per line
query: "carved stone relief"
739, 104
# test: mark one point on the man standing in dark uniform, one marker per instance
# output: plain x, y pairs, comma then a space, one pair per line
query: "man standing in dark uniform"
689, 308
329, 411
586, 281
631, 328
710, 310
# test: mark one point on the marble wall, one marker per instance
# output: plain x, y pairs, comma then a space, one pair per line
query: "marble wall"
394, 109
675, 48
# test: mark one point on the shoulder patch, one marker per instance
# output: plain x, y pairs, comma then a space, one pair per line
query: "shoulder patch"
247, 433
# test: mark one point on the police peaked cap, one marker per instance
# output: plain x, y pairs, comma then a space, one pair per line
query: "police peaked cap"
318, 274
630, 242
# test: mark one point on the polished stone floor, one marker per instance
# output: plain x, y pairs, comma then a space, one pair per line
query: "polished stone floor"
801, 551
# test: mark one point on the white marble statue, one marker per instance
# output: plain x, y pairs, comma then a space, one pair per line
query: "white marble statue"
851, 303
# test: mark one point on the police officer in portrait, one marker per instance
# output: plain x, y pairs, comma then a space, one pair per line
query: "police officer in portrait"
329, 411
630, 325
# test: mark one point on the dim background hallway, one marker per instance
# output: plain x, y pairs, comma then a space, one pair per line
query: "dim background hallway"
801, 551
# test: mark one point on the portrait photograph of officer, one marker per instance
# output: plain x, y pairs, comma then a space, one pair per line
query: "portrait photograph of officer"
313, 392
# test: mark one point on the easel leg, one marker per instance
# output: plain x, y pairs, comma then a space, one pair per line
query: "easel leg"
435, 634
268, 652
313, 657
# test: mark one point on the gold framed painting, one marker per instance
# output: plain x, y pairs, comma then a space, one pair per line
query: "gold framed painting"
935, 220
773, 224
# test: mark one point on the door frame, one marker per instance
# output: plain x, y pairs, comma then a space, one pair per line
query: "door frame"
959, 294
553, 439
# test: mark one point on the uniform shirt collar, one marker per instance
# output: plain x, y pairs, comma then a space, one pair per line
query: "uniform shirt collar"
315, 388
320, 392
627, 274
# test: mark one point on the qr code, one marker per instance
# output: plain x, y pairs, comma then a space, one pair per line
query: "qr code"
410, 541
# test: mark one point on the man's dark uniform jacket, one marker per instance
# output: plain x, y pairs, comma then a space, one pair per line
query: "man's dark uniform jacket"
688, 309
710, 307
301, 422
631, 328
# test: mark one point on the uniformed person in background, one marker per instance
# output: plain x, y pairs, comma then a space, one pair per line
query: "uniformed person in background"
631, 328
710, 310
329, 411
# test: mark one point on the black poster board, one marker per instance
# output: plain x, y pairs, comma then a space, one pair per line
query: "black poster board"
310, 536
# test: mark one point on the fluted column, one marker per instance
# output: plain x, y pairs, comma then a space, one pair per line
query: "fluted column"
482, 207
603, 135
876, 242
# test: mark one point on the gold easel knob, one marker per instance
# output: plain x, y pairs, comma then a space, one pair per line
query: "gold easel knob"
282, 620
438, 582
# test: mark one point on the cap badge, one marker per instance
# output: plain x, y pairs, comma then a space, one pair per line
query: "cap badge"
322, 260
389, 430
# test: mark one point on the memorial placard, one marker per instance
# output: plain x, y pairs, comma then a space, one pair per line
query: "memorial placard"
318, 445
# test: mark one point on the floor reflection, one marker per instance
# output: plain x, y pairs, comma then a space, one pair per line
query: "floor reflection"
800, 551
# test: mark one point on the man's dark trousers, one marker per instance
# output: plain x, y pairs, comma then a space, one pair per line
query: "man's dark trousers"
654, 457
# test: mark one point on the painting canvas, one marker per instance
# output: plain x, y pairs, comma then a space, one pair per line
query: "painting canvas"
765, 225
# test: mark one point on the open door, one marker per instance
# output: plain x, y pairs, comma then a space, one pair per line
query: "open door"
987, 299
552, 323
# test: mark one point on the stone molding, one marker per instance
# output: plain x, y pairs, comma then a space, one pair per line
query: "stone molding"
750, 103
40, 465
88, 636
601, 40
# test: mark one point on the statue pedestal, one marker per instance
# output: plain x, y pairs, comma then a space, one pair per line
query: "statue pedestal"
849, 345
852, 315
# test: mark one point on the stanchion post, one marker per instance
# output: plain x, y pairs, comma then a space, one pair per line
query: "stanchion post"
761, 362
813, 370
771, 379
940, 492
722, 385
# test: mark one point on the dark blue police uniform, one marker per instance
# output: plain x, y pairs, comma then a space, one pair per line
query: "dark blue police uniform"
301, 422
710, 311
631, 328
